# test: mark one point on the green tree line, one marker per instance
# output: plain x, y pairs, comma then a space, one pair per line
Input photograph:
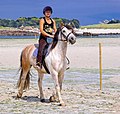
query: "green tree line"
34, 21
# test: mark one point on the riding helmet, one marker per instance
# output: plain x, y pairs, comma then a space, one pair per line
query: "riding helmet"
47, 8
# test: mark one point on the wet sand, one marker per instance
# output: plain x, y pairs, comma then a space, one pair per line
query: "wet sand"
81, 85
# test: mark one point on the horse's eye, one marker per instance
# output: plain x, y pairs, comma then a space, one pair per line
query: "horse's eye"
63, 31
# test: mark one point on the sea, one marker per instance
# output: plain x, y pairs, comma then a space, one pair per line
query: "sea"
36, 37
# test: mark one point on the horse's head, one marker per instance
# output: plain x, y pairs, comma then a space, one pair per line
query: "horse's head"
66, 33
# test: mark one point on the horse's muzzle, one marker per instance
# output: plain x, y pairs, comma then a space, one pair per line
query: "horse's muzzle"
72, 39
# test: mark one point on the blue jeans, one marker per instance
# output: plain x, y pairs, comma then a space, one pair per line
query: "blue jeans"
49, 40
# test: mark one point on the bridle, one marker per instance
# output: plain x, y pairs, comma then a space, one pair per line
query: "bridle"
66, 37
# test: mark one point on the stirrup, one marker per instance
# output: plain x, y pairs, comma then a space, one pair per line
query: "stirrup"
39, 64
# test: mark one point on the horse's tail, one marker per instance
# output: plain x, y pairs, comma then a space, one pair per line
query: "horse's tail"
23, 77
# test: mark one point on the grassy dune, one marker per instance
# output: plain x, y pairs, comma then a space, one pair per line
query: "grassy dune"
7, 28
3, 28
102, 26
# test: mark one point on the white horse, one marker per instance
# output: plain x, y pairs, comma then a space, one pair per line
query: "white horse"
55, 62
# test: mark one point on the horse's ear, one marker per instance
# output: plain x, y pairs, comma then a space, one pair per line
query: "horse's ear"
62, 24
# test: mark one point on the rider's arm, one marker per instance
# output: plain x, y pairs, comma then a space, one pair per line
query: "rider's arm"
42, 31
54, 26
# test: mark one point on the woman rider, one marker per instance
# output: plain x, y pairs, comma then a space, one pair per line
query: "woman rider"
47, 27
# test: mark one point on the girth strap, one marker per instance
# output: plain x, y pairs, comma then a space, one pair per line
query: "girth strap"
43, 58
44, 64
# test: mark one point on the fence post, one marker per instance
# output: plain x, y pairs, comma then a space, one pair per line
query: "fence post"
100, 64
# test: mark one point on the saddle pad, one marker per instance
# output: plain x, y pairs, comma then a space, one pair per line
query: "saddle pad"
46, 50
35, 52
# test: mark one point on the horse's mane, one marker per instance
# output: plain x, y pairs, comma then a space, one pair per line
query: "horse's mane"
55, 41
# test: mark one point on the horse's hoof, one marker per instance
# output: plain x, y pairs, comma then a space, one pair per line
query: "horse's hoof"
17, 97
67, 68
52, 99
42, 100
62, 104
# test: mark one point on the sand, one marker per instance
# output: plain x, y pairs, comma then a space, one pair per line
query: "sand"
81, 84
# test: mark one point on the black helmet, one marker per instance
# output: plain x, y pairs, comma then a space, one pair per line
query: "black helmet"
47, 8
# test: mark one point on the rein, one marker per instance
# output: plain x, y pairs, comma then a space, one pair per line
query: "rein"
58, 37
66, 37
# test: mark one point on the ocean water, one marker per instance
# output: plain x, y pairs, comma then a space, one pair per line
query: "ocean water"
19, 37
36, 37
101, 36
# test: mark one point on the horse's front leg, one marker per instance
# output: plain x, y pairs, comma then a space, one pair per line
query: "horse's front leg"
40, 78
54, 97
57, 87
60, 79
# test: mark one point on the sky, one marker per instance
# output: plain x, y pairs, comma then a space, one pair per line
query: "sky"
86, 11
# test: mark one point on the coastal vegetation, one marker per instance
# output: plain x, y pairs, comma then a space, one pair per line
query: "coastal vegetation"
34, 21
106, 24
102, 26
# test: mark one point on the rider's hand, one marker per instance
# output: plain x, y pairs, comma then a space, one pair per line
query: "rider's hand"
52, 36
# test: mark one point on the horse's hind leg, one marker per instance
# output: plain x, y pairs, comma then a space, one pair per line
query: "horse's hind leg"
40, 78
23, 82
24, 79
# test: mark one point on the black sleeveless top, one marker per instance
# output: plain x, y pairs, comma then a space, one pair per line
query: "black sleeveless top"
48, 28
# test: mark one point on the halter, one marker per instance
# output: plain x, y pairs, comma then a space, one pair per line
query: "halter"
66, 37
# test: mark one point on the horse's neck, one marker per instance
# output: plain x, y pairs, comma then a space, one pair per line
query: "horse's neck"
61, 48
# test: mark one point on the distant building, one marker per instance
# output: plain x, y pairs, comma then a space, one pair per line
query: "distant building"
30, 29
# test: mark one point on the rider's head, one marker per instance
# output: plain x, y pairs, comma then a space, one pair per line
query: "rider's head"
47, 11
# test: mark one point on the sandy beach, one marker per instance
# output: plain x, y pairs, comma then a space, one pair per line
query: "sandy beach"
81, 84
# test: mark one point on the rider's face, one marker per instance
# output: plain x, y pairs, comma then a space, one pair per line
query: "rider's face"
48, 13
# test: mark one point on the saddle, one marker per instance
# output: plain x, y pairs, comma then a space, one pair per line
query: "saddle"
46, 50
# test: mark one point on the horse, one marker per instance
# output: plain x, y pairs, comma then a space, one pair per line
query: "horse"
55, 62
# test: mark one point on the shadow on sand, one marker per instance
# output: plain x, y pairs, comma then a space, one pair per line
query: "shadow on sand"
32, 99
